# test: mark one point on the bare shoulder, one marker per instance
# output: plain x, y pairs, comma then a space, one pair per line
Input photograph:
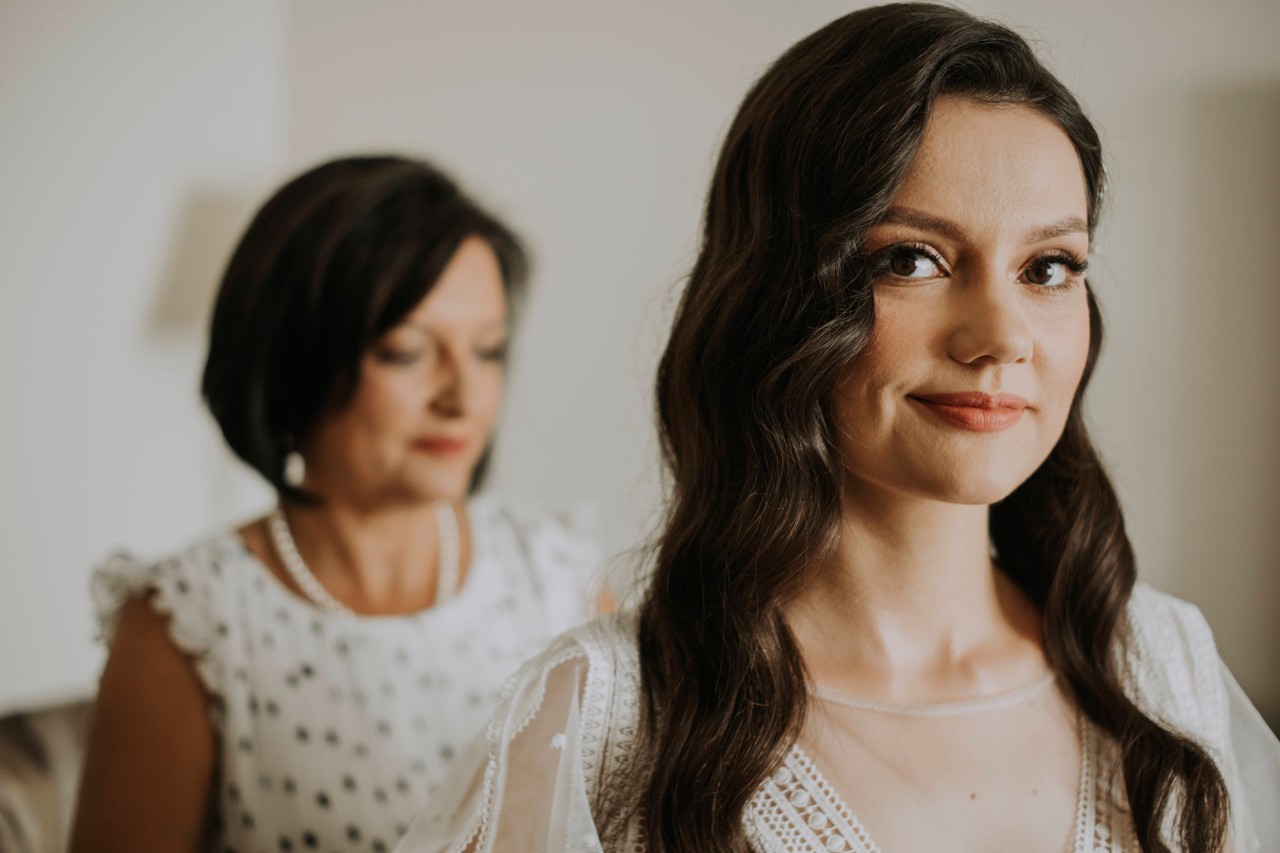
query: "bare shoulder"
144, 656
152, 746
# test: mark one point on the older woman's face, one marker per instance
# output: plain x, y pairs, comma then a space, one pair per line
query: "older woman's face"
982, 326
428, 395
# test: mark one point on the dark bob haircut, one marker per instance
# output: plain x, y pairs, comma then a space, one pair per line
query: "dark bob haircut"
336, 258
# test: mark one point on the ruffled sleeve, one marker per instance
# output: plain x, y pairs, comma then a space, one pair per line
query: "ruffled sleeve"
521, 787
178, 589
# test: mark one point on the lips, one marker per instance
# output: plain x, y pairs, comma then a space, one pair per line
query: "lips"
441, 446
974, 410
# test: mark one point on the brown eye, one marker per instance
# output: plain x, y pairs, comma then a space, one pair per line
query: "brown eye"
1047, 272
903, 265
912, 263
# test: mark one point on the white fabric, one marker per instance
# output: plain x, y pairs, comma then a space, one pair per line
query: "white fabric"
566, 731
333, 729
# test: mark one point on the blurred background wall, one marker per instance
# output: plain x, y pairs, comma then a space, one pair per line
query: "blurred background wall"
136, 137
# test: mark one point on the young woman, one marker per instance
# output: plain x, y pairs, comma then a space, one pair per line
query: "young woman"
894, 606
304, 681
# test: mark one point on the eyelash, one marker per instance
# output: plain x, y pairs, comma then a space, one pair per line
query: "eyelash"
1076, 266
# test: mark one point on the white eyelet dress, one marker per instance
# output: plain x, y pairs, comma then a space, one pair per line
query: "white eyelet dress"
333, 728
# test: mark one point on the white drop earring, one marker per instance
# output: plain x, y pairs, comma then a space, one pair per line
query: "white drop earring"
295, 469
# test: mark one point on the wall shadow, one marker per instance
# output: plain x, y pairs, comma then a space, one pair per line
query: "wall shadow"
1225, 380
209, 222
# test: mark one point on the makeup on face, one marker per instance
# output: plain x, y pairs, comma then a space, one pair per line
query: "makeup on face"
442, 446
981, 328
429, 391
974, 410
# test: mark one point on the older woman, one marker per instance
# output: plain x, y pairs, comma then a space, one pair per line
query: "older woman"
302, 682
894, 606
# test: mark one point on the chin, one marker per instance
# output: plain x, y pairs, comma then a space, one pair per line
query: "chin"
430, 479
981, 493
427, 489
971, 484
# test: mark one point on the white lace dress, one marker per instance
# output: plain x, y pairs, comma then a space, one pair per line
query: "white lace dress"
333, 729
567, 727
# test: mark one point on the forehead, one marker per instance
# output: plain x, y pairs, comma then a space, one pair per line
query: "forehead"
469, 290
995, 169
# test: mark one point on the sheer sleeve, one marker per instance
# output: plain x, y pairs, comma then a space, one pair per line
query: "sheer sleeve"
1256, 753
521, 787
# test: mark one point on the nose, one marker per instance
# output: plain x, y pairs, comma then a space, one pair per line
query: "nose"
989, 323
453, 395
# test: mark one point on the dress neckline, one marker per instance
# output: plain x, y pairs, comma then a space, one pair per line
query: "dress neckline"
978, 704
798, 768
476, 507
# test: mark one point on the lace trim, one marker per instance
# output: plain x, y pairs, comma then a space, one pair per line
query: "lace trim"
171, 595
1113, 831
610, 718
594, 719
498, 735
1102, 811
546, 666
1180, 688
796, 809
1086, 834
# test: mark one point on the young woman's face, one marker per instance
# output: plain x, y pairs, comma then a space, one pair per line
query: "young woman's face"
428, 394
982, 324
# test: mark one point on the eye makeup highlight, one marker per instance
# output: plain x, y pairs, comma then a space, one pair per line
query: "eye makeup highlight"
1073, 269
911, 261
397, 357
494, 353
897, 260
405, 356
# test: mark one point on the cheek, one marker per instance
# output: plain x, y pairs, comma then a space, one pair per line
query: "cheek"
902, 340
487, 394
1065, 350
387, 401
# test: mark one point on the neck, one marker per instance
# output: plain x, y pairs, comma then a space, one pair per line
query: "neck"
375, 560
911, 602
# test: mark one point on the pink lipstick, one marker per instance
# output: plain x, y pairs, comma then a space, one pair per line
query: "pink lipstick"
974, 410
440, 446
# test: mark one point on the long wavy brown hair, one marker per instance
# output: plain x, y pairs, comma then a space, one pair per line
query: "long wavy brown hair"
778, 304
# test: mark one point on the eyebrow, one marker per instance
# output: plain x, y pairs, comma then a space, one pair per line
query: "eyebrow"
952, 231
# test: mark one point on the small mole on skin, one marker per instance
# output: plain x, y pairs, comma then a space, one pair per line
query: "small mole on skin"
974, 795
1035, 792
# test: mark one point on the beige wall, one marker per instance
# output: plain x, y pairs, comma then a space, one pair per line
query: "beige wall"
592, 126
134, 137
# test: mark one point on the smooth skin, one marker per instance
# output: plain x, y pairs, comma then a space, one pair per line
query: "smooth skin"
149, 774
981, 289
